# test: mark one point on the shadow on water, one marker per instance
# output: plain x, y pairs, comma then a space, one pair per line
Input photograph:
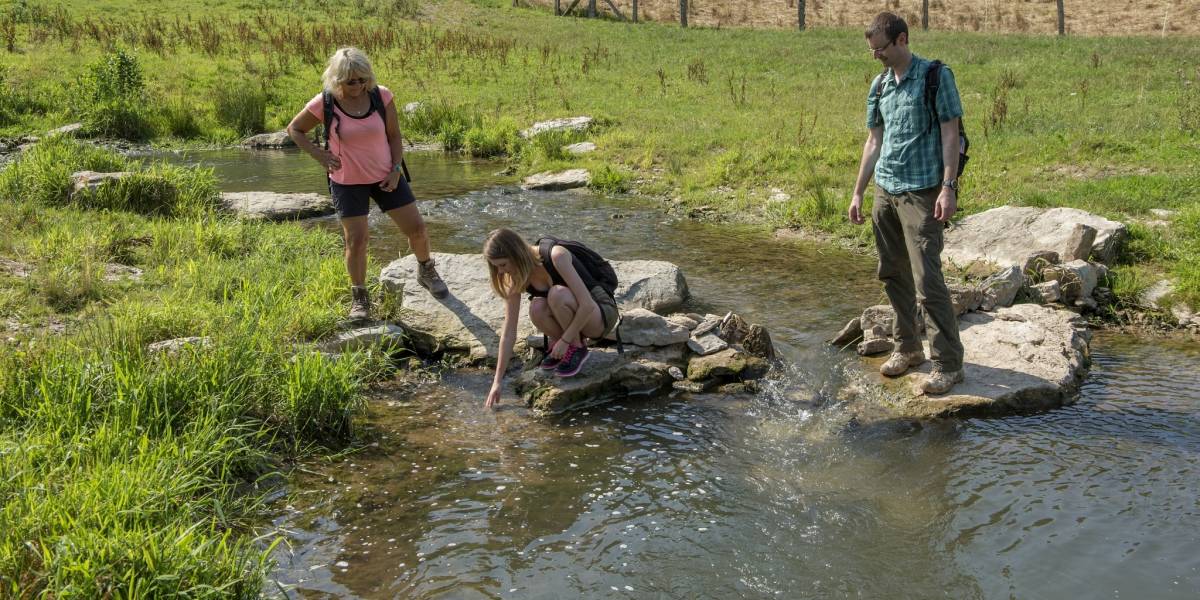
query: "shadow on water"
778, 495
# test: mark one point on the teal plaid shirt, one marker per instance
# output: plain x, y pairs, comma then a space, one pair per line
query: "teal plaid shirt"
911, 156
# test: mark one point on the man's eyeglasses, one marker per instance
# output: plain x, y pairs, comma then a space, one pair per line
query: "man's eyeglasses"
358, 81
876, 51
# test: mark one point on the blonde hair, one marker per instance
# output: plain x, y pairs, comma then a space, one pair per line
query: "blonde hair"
343, 65
505, 243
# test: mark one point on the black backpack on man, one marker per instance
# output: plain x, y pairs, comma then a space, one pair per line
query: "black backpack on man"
933, 81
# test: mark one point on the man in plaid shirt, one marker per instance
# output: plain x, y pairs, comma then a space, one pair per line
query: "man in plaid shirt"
916, 192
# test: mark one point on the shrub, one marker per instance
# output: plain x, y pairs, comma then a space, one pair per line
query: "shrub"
242, 109
112, 98
15, 100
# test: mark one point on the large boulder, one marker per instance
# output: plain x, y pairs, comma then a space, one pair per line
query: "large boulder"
1007, 235
273, 206
654, 285
468, 321
567, 124
556, 181
1018, 359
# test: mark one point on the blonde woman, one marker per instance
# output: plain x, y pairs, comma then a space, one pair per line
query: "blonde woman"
364, 160
570, 298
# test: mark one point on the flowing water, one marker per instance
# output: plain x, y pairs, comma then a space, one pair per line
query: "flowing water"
709, 496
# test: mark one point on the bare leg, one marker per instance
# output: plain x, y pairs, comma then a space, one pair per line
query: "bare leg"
409, 219
543, 319
564, 305
356, 235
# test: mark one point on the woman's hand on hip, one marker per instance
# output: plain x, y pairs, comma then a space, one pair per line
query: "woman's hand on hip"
328, 160
389, 184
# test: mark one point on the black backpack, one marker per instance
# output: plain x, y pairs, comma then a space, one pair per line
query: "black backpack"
933, 81
597, 267
376, 107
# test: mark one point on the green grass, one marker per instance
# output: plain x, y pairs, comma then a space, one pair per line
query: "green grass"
127, 473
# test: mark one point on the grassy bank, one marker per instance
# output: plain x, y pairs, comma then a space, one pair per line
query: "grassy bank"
710, 119
129, 473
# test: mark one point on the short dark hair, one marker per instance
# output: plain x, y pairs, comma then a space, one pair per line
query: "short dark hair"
889, 24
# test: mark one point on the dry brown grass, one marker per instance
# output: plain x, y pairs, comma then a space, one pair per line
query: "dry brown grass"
1083, 17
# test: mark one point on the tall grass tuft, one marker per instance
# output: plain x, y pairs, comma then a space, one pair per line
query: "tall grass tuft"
112, 99
241, 108
493, 138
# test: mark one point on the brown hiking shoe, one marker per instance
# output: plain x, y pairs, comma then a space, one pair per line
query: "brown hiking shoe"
900, 362
360, 303
938, 382
428, 278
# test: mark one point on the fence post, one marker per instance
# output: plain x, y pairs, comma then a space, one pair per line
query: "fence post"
591, 11
800, 9
1062, 19
925, 15
557, 7
635, 11
683, 12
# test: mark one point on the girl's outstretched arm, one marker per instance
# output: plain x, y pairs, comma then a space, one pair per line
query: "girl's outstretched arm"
508, 334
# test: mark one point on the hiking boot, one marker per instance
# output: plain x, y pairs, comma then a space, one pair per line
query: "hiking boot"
549, 363
900, 362
572, 361
938, 382
360, 303
428, 278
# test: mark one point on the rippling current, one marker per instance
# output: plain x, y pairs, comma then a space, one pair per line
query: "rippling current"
776, 496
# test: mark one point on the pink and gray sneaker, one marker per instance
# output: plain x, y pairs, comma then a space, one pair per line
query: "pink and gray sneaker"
572, 361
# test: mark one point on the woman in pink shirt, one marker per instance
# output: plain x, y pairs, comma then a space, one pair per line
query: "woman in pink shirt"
364, 162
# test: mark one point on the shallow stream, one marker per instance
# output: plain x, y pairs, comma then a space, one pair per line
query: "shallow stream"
709, 496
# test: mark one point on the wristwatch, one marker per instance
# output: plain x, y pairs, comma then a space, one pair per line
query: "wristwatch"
398, 168
951, 183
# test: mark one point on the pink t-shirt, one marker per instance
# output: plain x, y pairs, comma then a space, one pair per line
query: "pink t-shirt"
359, 142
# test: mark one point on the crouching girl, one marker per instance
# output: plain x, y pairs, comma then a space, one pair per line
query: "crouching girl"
570, 298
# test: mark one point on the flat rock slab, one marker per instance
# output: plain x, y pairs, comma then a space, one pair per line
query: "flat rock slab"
1007, 235
272, 206
382, 336
605, 377
467, 322
90, 181
562, 180
1019, 359
567, 124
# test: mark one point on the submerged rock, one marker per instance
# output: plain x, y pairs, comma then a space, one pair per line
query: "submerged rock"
273, 206
1019, 359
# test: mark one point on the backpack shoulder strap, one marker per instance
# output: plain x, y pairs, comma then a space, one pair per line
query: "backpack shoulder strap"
545, 246
933, 81
877, 91
377, 103
327, 113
